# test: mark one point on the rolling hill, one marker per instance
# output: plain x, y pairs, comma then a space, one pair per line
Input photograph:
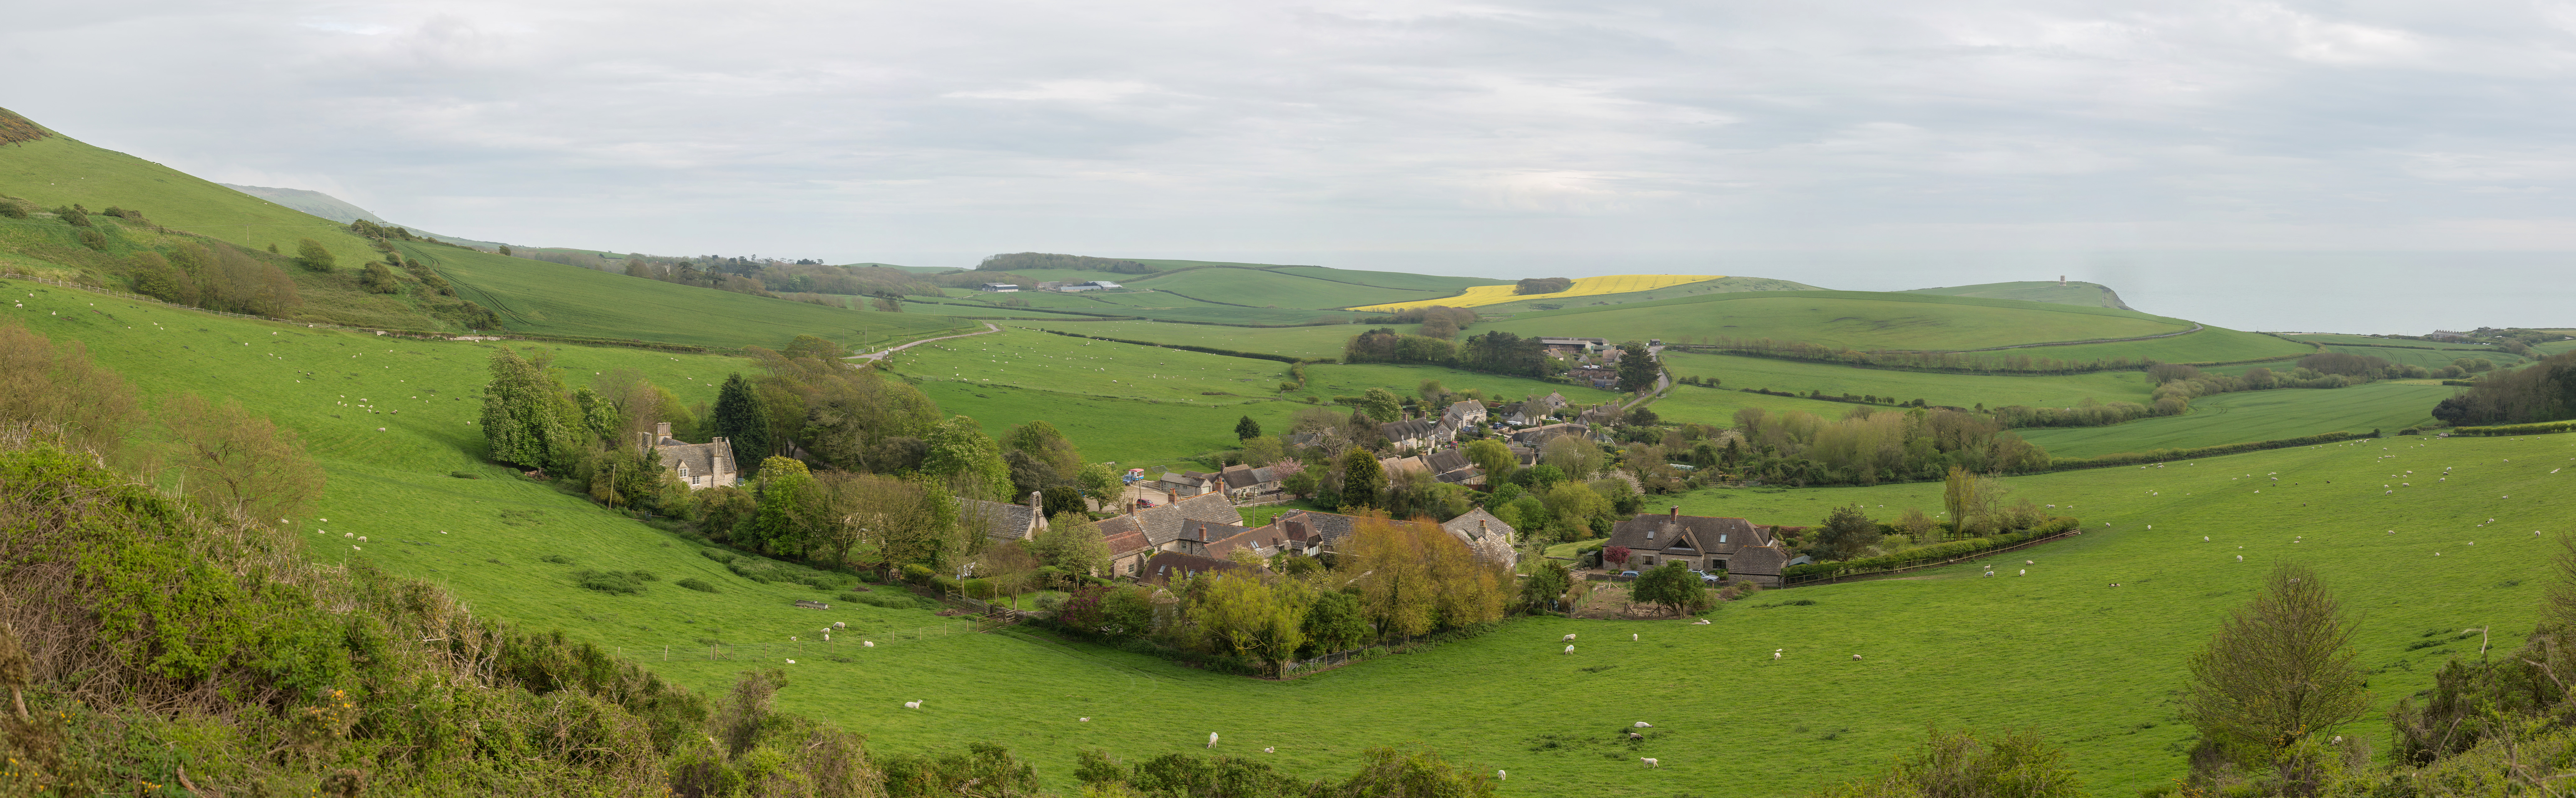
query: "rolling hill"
2065, 293
1907, 322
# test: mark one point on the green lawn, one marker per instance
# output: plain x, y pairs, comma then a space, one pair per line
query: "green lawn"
2088, 666
1846, 318
555, 299
1956, 390
2210, 345
1440, 284
2366, 340
2255, 416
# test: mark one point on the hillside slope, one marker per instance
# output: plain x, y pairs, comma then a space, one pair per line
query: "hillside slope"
2072, 293
312, 202
58, 170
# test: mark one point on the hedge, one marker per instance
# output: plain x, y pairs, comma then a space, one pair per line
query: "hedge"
2163, 455
1932, 553
2538, 428
1190, 348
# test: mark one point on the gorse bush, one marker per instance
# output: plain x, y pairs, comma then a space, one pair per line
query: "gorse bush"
694, 583
623, 583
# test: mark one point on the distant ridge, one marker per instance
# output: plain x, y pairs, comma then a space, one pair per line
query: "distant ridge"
337, 209
2091, 295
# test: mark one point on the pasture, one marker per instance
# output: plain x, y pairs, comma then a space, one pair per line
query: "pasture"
60, 171
1263, 288
2073, 293
554, 299
1956, 390
1717, 286
1848, 319
2433, 359
1351, 380
1314, 341
2209, 345
2249, 416
2059, 651
2087, 665
1106, 369
1716, 406
1475, 296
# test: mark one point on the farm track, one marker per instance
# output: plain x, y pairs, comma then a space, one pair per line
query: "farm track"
872, 357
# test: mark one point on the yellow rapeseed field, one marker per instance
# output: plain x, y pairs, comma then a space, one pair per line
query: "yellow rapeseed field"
1583, 286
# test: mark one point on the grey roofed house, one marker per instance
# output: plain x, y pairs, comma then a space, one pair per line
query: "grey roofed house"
1486, 535
1705, 543
1446, 460
1007, 522
1470, 476
700, 465
1159, 525
1244, 480
1316, 532
1194, 537
1535, 436
1409, 433
999, 287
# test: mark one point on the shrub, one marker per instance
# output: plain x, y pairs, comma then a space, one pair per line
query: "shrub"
694, 583
943, 584
917, 573
557, 559
72, 216
90, 237
718, 555
891, 601
15, 208
311, 255
623, 583
978, 588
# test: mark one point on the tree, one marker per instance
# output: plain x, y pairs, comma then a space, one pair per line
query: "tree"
2279, 670
1576, 457
1247, 429
1060, 500
1637, 368
377, 279
1388, 772
1363, 481
526, 418
1846, 533
600, 417
1430, 392
1098, 481
786, 503
1643, 416
1335, 623
741, 418
1010, 568
311, 255
1262, 450
1574, 505
969, 462
1544, 589
1382, 405
2017, 764
1495, 457
1960, 494
236, 460
1071, 544
505, 249
1615, 555
1917, 525
1673, 586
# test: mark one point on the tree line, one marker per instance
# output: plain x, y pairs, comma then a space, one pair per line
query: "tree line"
1044, 260
2542, 391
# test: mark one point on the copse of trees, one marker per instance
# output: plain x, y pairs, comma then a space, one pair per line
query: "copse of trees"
1044, 260
1542, 285
2542, 391
1494, 352
2279, 674
1868, 445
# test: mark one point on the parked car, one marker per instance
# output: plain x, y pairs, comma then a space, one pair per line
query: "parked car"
1627, 574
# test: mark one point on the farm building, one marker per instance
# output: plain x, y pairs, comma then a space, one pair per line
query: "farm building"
1246, 483
1312, 533
1140, 533
1733, 545
998, 288
1410, 434
700, 465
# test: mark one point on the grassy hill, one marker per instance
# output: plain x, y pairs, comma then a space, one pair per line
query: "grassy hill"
2069, 293
311, 202
1956, 390
59, 170
1265, 288
1722, 285
555, 299
2255, 416
1583, 288
1324, 341
1900, 321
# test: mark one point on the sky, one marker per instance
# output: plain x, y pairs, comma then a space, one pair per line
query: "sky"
1865, 145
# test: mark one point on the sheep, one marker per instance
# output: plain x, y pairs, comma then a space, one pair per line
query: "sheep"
912, 705
2240, 558
1083, 720
1269, 750
1211, 739
1635, 737
1502, 775
1644, 725
1632, 637
1568, 639
1775, 654
1700, 622
2024, 572
1650, 761
1855, 657
840, 625
868, 643
1569, 649
791, 662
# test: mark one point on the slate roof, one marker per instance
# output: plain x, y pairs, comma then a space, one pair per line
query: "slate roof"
1241, 477
1747, 549
1003, 521
1463, 411
1540, 434
703, 459
1163, 523
1125, 542
1397, 465
1487, 535
1461, 476
1261, 540
1162, 568
1407, 429
1308, 525
1446, 460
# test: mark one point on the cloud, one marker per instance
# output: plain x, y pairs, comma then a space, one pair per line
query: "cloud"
848, 131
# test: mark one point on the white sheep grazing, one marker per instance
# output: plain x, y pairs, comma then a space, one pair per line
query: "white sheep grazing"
1569, 638
1270, 750
1632, 637
2024, 572
1569, 649
2240, 558
1644, 725
1855, 656
1502, 775
1083, 720
840, 625
1211, 739
912, 705
791, 662
1700, 622
1775, 654
1650, 761
868, 643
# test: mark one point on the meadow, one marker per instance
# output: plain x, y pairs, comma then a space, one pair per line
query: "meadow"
1398, 280
1263, 288
60, 171
1955, 390
2249, 416
1475, 296
554, 299
2433, 359
2058, 651
2368, 340
2209, 345
1852, 319
1316, 341
1351, 380
1717, 286
1716, 407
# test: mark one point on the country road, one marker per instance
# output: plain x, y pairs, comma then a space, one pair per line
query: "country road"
872, 357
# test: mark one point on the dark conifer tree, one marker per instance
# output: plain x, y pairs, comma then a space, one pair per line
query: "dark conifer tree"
740, 417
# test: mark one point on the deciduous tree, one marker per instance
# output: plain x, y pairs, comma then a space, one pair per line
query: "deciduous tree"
2279, 670
311, 255
237, 460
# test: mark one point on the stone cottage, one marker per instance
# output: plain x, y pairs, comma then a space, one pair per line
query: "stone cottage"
701, 465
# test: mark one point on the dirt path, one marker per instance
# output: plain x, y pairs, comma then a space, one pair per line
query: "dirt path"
872, 357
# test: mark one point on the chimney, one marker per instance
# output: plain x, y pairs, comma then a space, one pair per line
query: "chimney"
1171, 497
662, 430
1036, 501
1677, 514
643, 441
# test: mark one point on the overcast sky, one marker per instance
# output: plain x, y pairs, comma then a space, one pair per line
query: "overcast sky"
1572, 138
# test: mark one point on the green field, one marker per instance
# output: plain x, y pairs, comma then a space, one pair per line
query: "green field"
2088, 666
2429, 358
2210, 345
1846, 318
2073, 293
2365, 340
1273, 289
1352, 380
1716, 406
1956, 390
1316, 341
554, 299
1107, 369
1440, 284
2255, 416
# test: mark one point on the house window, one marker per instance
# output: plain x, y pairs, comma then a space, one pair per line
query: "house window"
1650, 561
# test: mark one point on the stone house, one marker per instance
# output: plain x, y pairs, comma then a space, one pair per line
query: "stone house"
701, 465
1140, 533
1703, 543
1246, 483
1538, 436
1485, 534
1003, 521
1409, 434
